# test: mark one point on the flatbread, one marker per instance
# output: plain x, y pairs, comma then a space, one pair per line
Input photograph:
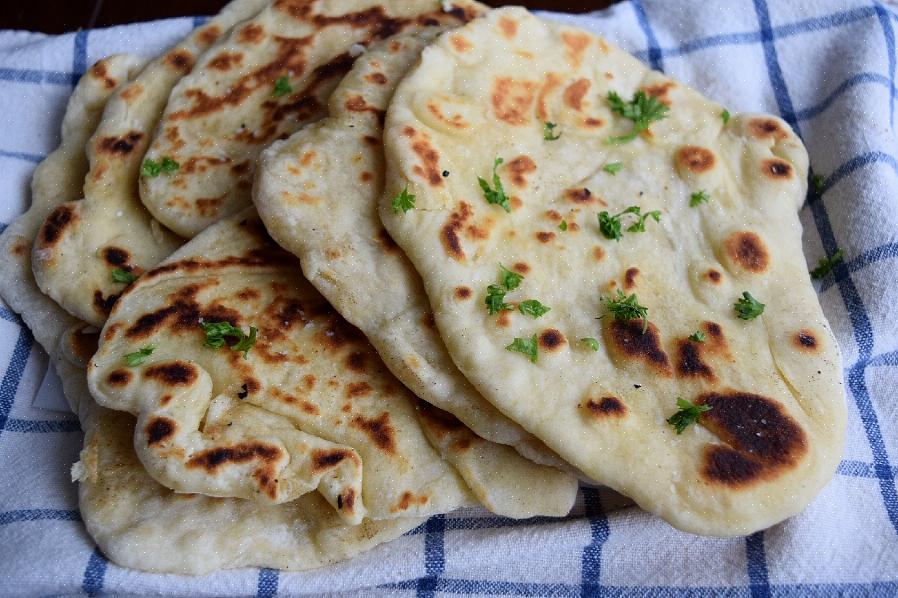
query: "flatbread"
775, 431
264, 81
263, 424
317, 193
81, 242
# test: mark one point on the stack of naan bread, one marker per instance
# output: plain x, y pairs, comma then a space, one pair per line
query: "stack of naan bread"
263, 262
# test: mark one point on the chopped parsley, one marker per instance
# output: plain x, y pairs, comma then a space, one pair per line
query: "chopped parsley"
217, 334
281, 87
122, 276
591, 343
495, 300
563, 225
610, 226
643, 110
405, 201
627, 308
549, 132
510, 280
818, 182
532, 307
151, 168
525, 346
698, 198
613, 167
725, 117
826, 265
495, 196
748, 308
687, 415
139, 356
698, 337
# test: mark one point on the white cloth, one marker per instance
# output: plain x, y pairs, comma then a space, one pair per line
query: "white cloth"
827, 66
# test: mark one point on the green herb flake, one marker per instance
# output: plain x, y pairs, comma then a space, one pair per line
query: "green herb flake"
138, 357
725, 117
627, 308
563, 225
122, 276
532, 307
510, 280
818, 182
687, 415
826, 265
495, 196
495, 300
150, 168
698, 337
217, 334
611, 227
169, 165
613, 167
643, 110
698, 198
590, 343
549, 132
405, 201
281, 87
748, 308
525, 346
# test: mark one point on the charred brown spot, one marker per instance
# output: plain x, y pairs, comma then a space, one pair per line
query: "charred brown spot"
690, 363
429, 167
806, 341
181, 60
598, 254
713, 276
408, 500
251, 34
521, 268
100, 72
519, 168
605, 407
575, 92
338, 335
358, 104
213, 459
355, 390
442, 423
104, 305
545, 237
748, 251
328, 459
355, 362
226, 61
630, 278
379, 431
696, 159
630, 342
249, 294
346, 501
377, 78
508, 27
386, 242
766, 128
463, 293
56, 224
449, 232
580, 196
173, 373
429, 321
366, 177
119, 146
159, 430
209, 34
551, 340
575, 45
659, 90
757, 429
513, 100
119, 377
309, 381
115, 256
503, 320
777, 169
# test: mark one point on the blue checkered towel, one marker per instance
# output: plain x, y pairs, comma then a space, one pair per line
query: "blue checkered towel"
826, 66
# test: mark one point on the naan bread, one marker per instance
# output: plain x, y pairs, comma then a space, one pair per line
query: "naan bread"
317, 193
775, 431
267, 79
309, 405
81, 242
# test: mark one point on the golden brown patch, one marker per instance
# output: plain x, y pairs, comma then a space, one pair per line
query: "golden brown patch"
376, 78
545, 237
581, 196
207, 207
551, 340
357, 103
249, 294
605, 408
209, 34
98, 71
806, 341
460, 43
575, 92
508, 27
763, 439
519, 168
463, 293
776, 169
408, 500
503, 320
429, 166
521, 268
552, 83
119, 146
449, 231
20, 247
323, 460
594, 123
690, 363
713, 276
748, 251
131, 92
119, 377
455, 121
553, 215
766, 128
159, 430
575, 44
513, 99
307, 157
309, 381
659, 90
696, 159
226, 61
379, 430
598, 254
715, 341
251, 34
627, 339
630, 278
172, 373
355, 390
180, 60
